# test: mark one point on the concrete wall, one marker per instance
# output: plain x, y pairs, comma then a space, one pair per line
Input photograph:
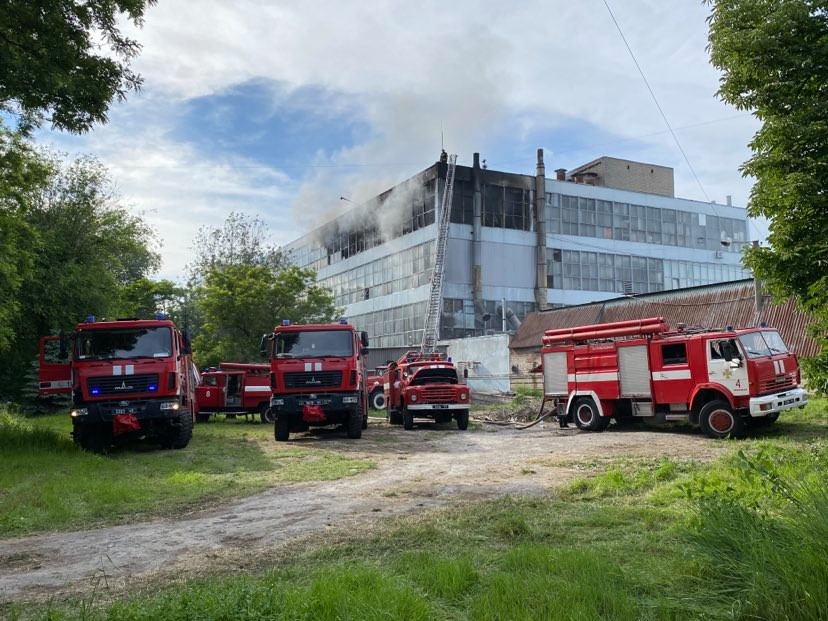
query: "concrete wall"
487, 360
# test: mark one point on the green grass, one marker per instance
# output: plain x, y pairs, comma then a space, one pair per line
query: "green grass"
745, 537
47, 483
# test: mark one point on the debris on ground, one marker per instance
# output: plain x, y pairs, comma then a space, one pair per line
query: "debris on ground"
521, 409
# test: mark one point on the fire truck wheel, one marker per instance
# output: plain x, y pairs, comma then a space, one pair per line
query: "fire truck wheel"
463, 420
179, 436
407, 419
281, 430
355, 423
92, 438
378, 400
587, 417
266, 414
717, 420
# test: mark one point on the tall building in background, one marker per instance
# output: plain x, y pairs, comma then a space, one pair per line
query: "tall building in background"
518, 243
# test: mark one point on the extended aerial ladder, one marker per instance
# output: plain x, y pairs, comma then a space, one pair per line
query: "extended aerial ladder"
435, 300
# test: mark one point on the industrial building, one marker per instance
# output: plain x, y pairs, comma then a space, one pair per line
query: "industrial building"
517, 244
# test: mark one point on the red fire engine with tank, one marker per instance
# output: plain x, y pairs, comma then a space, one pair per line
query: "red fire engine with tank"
130, 377
317, 377
721, 380
425, 385
234, 388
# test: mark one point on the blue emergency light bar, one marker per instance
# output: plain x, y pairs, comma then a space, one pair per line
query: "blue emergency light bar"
160, 316
90, 319
285, 322
343, 320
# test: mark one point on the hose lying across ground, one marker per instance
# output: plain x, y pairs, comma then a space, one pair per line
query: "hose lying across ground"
522, 413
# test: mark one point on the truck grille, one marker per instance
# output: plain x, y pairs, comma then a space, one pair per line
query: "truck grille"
775, 384
320, 379
437, 394
121, 384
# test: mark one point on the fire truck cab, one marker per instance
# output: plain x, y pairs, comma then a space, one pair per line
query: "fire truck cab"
130, 377
720, 380
317, 377
425, 386
234, 388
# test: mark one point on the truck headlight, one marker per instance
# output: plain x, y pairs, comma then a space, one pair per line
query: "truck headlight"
413, 398
79, 412
170, 405
463, 396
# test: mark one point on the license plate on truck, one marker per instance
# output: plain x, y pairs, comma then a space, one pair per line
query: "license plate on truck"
439, 406
123, 411
788, 401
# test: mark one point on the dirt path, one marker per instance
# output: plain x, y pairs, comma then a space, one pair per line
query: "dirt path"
415, 470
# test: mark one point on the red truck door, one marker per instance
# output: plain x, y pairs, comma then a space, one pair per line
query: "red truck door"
210, 393
54, 375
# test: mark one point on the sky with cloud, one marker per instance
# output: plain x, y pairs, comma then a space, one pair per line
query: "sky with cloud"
276, 109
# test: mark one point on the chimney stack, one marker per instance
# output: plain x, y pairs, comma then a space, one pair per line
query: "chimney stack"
560, 174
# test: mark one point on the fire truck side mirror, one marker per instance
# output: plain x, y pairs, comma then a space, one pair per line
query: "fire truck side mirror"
363, 337
263, 345
735, 363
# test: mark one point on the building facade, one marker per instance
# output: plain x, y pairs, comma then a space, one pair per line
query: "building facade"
519, 243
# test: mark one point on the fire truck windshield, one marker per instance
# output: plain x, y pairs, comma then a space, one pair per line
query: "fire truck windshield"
758, 344
314, 344
124, 344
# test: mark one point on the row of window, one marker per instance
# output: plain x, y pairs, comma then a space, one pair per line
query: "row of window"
460, 318
407, 269
599, 271
401, 326
406, 209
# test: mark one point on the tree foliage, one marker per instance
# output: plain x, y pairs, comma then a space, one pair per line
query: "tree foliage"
773, 55
67, 60
242, 286
70, 248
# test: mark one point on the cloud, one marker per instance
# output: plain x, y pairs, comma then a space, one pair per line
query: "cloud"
489, 77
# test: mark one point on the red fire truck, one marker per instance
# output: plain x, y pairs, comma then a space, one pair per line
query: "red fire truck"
317, 377
376, 390
127, 377
234, 388
425, 385
721, 380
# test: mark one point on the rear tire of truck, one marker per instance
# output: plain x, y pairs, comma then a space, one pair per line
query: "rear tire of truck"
407, 419
587, 417
355, 424
378, 399
281, 430
179, 436
266, 414
463, 420
718, 421
92, 438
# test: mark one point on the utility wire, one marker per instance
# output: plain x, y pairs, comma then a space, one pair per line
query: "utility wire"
658, 105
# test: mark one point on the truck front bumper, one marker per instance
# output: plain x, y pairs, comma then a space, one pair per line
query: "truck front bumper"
437, 407
145, 409
329, 401
779, 402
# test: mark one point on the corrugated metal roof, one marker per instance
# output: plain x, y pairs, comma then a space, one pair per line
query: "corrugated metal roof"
710, 306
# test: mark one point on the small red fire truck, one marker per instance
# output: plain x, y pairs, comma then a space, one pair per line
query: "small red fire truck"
317, 377
234, 388
425, 385
721, 380
376, 390
127, 377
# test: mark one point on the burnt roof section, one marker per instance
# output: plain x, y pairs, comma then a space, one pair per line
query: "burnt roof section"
708, 306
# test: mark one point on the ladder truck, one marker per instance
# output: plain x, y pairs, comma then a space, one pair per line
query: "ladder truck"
724, 381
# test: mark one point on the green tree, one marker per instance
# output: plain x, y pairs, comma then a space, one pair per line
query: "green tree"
24, 174
239, 303
67, 60
144, 297
773, 55
83, 247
